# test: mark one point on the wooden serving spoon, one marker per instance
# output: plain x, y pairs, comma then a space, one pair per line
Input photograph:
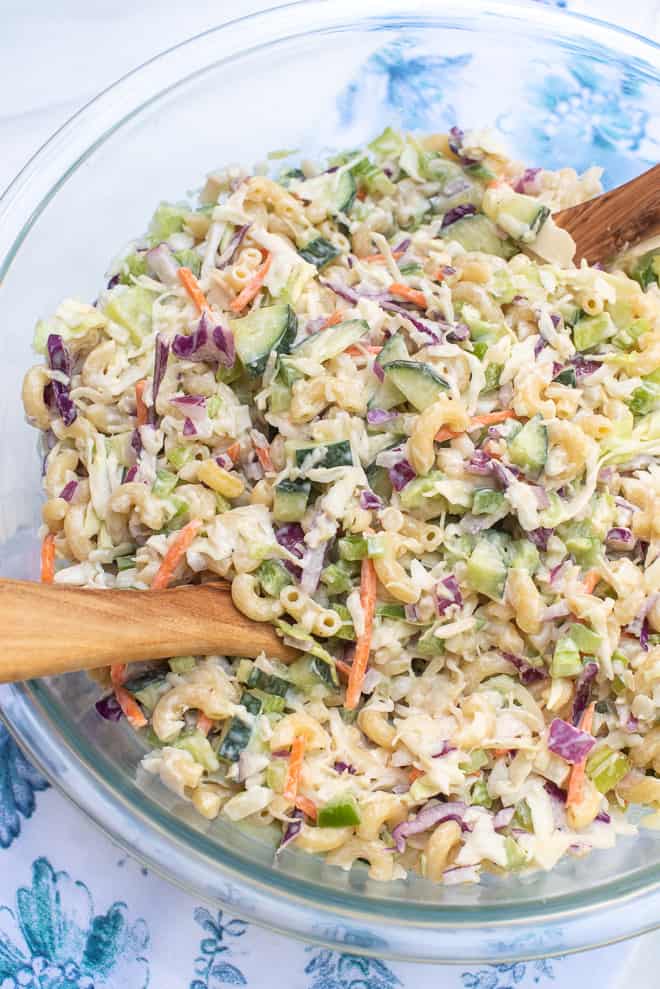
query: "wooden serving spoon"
49, 629
606, 225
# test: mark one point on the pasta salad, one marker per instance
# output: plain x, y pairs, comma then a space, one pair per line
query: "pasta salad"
379, 399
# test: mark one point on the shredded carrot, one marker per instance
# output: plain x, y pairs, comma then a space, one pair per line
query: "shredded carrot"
204, 724
193, 289
577, 774
294, 769
476, 422
337, 317
174, 554
408, 293
48, 559
498, 753
130, 707
414, 774
233, 452
118, 674
252, 287
439, 276
343, 668
307, 806
362, 195
590, 581
360, 349
141, 412
382, 257
263, 454
363, 645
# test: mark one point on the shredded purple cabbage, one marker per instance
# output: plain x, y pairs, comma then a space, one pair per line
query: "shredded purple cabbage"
370, 500
292, 830
555, 791
161, 355
109, 709
136, 442
603, 817
528, 673
205, 344
376, 417
442, 601
583, 691
344, 767
401, 474
570, 743
620, 538
539, 346
480, 463
194, 406
456, 145
584, 367
457, 213
644, 635
445, 749
428, 817
131, 474
292, 537
503, 818
56, 393
69, 490
189, 428
418, 323
229, 252
528, 177
458, 332
540, 537
58, 356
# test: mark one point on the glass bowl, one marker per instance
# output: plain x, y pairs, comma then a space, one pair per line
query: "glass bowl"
566, 90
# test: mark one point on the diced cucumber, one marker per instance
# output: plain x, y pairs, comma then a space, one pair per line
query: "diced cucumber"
326, 344
516, 856
529, 448
165, 483
131, 307
373, 179
589, 331
179, 455
379, 482
334, 455
523, 555
493, 374
352, 548
581, 540
290, 501
340, 812
319, 252
280, 395
486, 570
566, 660
387, 395
478, 233
182, 664
566, 377
251, 703
486, 501
273, 576
276, 774
606, 768
272, 328
585, 638
420, 495
644, 399
345, 191
336, 578
125, 563
520, 216
243, 670
199, 747
149, 695
235, 739
268, 682
429, 645
479, 795
646, 269
522, 817
420, 384
326, 672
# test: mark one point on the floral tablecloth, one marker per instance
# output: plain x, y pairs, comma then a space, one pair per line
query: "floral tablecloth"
75, 912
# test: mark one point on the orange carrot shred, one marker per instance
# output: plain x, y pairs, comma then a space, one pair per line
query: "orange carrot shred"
337, 317
118, 674
130, 707
252, 287
590, 581
48, 559
368, 585
577, 774
307, 806
264, 457
476, 422
140, 408
193, 289
408, 293
381, 257
360, 349
174, 554
343, 668
204, 724
294, 769
233, 452
415, 774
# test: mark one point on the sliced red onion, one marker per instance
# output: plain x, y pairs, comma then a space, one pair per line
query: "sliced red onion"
376, 417
632, 724
457, 213
644, 635
68, 490
460, 874
528, 673
189, 428
161, 354
428, 817
229, 252
370, 501
605, 475
56, 396
637, 626
162, 263
503, 818
445, 748
403, 246
136, 442
456, 145
109, 709
458, 332
554, 791
292, 830
401, 473
448, 270
620, 538
505, 395
411, 613
583, 691
447, 593
194, 406
540, 537
584, 367
505, 474
224, 461
344, 767
603, 817
480, 463
131, 474
113, 282
569, 742
541, 496
58, 356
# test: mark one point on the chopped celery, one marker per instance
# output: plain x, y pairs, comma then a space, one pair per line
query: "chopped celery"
352, 548
340, 812
276, 774
199, 747
395, 611
627, 339
243, 670
179, 455
213, 406
493, 374
479, 795
182, 664
189, 259
605, 768
618, 686
589, 331
644, 399
515, 856
268, 682
373, 178
336, 579
646, 270
477, 759
222, 505
236, 737
273, 577
522, 817
347, 630
429, 645
619, 657
487, 501
165, 483
375, 546
566, 660
125, 563
584, 638
149, 695
480, 349
389, 143
167, 220
523, 555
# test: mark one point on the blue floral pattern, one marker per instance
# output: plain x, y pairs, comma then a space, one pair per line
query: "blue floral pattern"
211, 969
505, 976
19, 781
54, 940
331, 970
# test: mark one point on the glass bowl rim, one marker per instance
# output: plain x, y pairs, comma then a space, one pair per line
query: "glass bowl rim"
27, 196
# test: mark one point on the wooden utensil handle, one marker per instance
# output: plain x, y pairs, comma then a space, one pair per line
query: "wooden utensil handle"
51, 629
604, 226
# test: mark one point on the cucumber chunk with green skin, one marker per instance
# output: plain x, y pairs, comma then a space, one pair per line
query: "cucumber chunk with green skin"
270, 683
199, 747
337, 579
272, 328
235, 739
273, 577
589, 331
379, 482
486, 501
478, 233
251, 703
486, 570
346, 190
387, 395
333, 455
529, 447
319, 252
326, 344
646, 270
290, 500
518, 215
420, 384
566, 377
341, 812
